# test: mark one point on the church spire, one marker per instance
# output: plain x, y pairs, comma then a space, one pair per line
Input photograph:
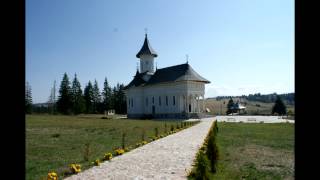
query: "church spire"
146, 48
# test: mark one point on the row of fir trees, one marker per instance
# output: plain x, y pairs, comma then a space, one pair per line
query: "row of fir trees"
72, 100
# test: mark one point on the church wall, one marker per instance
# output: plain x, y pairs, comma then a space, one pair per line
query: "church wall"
178, 89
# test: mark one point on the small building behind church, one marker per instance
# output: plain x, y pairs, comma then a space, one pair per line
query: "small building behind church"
171, 92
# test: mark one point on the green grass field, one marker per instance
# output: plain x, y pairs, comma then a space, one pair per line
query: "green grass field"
255, 151
54, 142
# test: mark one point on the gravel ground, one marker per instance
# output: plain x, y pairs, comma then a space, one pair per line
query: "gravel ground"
170, 157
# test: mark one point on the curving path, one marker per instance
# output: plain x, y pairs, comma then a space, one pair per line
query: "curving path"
170, 157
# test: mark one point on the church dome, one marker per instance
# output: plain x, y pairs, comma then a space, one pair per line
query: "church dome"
146, 49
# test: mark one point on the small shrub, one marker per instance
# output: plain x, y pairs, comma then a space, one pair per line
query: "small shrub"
212, 152
55, 135
156, 132
96, 162
143, 135
123, 140
75, 168
119, 151
172, 127
107, 156
202, 165
165, 127
86, 153
52, 176
144, 142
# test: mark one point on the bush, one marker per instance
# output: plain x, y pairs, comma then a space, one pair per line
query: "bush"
107, 156
52, 176
172, 127
202, 165
96, 162
123, 140
165, 127
55, 135
75, 168
143, 135
156, 132
212, 152
119, 151
86, 153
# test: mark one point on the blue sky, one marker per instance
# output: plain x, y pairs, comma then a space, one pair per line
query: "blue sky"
241, 46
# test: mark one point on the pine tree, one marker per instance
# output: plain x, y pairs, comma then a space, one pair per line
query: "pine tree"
96, 97
52, 99
88, 97
229, 106
106, 93
78, 103
279, 107
119, 99
64, 103
28, 99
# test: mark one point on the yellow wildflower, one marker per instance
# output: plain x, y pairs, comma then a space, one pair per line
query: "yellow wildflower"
52, 176
107, 156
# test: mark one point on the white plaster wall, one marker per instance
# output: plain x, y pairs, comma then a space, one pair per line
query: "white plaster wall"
177, 89
146, 63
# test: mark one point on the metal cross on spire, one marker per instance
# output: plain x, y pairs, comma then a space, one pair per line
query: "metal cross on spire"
146, 31
187, 58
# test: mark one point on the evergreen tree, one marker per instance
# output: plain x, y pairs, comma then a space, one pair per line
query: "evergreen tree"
88, 97
52, 99
28, 99
119, 99
229, 106
64, 103
78, 103
279, 107
96, 97
106, 93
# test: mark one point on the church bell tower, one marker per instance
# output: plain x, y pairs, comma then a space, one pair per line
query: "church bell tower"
146, 55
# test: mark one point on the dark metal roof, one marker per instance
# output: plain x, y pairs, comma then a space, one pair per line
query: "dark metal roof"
137, 80
146, 49
182, 72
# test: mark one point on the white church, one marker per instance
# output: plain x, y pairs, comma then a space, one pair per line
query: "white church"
171, 92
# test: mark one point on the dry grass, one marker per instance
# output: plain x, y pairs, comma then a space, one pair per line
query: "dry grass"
252, 107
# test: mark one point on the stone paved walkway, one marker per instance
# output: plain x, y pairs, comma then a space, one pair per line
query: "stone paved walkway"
170, 157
